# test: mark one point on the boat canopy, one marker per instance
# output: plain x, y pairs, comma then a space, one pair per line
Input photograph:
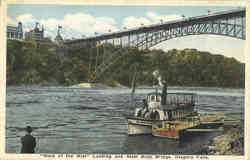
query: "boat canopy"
179, 98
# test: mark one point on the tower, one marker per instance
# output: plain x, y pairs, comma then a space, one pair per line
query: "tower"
59, 38
37, 23
20, 27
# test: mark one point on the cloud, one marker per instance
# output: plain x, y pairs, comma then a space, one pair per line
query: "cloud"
11, 21
73, 25
150, 18
78, 24
165, 18
131, 22
25, 18
85, 24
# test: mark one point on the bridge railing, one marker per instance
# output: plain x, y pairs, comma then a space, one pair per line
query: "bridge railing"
128, 31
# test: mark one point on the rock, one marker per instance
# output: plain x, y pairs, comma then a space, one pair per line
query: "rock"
90, 85
118, 85
230, 143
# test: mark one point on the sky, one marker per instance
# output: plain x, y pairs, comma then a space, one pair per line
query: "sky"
83, 20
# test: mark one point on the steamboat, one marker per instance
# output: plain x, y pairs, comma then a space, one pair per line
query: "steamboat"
164, 114
169, 115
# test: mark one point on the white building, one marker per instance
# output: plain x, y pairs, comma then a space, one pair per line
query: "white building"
15, 32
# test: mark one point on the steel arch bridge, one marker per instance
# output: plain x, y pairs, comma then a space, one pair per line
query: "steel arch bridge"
230, 23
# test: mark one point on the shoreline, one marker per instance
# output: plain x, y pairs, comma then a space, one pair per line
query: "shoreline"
230, 142
101, 85
80, 85
96, 85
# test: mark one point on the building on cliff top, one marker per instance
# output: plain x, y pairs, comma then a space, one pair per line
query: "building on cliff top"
15, 32
35, 34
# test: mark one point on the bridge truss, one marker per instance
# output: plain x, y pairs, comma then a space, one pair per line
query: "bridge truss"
230, 24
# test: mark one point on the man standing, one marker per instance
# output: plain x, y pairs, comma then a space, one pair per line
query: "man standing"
28, 142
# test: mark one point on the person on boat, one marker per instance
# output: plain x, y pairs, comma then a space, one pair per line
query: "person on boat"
145, 108
28, 142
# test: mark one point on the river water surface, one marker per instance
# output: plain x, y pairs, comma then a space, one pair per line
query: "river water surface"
78, 120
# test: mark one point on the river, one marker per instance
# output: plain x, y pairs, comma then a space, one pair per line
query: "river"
79, 120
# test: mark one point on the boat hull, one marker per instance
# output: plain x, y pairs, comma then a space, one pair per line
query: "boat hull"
139, 126
173, 129
166, 133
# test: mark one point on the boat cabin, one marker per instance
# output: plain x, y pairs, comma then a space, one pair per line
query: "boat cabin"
177, 105
154, 100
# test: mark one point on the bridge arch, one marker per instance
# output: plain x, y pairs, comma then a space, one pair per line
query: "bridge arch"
230, 24
151, 39
221, 29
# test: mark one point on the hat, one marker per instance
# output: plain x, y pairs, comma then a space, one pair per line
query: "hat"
28, 129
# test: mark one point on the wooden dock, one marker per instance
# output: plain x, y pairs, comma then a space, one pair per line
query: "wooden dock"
205, 123
204, 130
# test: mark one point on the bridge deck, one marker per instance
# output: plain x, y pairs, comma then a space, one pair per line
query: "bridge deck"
196, 19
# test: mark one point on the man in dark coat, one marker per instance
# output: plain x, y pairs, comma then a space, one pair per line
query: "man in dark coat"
28, 142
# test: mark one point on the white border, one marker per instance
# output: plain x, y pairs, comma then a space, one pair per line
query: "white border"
3, 9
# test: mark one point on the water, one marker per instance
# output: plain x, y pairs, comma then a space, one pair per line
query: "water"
75, 120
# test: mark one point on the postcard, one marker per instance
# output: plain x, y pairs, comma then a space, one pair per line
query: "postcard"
124, 79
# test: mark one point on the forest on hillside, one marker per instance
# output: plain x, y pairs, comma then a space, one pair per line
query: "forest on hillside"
43, 63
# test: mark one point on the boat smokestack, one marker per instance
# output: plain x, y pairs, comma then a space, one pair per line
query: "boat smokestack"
164, 93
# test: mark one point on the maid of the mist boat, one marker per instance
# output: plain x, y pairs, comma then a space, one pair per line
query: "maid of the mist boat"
164, 114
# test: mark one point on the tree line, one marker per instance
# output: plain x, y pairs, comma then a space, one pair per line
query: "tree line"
44, 63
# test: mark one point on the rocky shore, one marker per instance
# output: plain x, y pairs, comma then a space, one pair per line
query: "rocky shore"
230, 142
